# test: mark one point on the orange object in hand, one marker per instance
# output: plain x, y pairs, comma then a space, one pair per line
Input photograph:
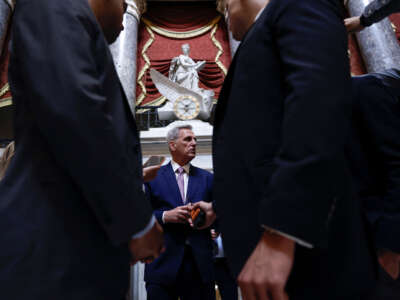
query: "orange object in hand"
194, 213
198, 217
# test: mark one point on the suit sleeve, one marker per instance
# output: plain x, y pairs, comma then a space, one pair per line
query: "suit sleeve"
382, 120
379, 9
312, 45
55, 44
158, 212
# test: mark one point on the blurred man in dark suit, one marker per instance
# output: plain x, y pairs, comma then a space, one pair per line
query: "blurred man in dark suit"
374, 156
72, 200
282, 188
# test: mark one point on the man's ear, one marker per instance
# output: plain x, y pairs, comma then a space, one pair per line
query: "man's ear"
172, 146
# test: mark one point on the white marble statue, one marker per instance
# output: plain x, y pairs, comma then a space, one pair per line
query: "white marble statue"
186, 100
184, 70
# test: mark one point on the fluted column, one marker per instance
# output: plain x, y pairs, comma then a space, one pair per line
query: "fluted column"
378, 43
124, 51
6, 9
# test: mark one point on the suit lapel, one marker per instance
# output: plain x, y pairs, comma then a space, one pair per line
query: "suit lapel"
170, 179
193, 183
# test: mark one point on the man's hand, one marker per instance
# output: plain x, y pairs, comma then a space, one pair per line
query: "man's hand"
208, 209
266, 272
390, 262
353, 24
149, 173
180, 214
148, 247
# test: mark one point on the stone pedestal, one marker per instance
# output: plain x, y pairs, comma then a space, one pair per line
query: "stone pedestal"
378, 43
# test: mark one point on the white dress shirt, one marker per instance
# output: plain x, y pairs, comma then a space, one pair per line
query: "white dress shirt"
175, 167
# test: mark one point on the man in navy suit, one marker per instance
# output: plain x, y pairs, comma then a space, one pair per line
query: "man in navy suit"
374, 156
185, 269
72, 201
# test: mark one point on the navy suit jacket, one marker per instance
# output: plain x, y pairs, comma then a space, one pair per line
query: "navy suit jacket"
374, 153
164, 194
72, 196
284, 166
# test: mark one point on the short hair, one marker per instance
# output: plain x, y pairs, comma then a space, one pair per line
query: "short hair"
6, 158
173, 133
186, 45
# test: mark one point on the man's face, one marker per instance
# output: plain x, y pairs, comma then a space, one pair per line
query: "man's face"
111, 19
184, 147
241, 15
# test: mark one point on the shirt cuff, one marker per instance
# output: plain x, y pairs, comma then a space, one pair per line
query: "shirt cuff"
146, 229
297, 240
162, 217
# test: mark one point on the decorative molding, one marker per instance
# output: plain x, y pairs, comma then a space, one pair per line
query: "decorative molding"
133, 9
5, 102
181, 35
221, 6
141, 5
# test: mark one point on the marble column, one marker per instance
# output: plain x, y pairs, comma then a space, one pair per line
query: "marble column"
378, 43
6, 9
124, 52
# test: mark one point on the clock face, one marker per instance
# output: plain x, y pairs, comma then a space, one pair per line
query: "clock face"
187, 107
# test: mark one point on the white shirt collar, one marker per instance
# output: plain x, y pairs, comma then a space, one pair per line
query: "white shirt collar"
176, 166
259, 13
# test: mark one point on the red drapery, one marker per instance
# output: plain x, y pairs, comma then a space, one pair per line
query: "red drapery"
181, 17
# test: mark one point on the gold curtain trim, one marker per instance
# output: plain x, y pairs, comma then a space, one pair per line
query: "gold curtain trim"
4, 89
6, 102
220, 50
181, 35
156, 102
146, 66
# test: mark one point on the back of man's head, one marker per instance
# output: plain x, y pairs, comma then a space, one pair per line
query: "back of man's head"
173, 133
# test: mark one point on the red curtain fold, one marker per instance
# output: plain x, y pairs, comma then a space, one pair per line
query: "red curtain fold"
163, 49
180, 17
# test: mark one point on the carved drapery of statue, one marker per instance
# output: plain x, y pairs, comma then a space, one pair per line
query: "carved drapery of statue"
184, 70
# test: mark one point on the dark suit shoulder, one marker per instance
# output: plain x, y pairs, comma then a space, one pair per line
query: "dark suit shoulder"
200, 171
67, 10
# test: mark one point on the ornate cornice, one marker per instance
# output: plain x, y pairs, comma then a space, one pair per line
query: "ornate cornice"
133, 9
221, 6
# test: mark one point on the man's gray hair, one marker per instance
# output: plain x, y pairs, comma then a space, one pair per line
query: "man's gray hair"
173, 133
